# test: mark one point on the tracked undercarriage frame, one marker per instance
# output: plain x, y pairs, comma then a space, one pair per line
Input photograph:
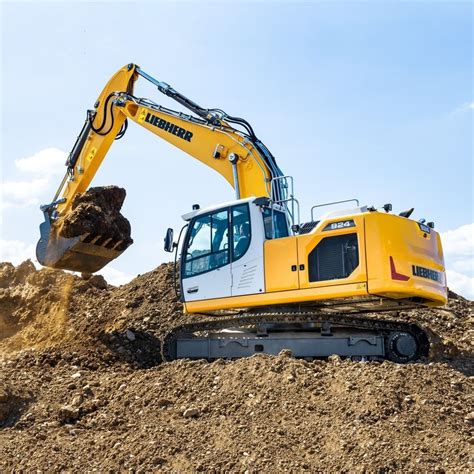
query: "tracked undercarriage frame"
307, 332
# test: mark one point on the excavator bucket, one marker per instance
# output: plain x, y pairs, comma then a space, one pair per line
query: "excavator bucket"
86, 253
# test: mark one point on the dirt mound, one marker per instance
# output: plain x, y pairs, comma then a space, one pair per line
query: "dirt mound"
260, 414
97, 212
37, 308
98, 395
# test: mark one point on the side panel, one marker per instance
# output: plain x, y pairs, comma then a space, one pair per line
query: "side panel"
281, 264
308, 243
398, 253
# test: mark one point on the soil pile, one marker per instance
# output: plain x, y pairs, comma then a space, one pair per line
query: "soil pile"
97, 212
82, 387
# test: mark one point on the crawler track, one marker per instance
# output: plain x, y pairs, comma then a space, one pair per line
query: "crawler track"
386, 328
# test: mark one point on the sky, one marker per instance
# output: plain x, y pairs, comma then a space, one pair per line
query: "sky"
370, 100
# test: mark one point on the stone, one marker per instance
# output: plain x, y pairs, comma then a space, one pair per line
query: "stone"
68, 413
191, 413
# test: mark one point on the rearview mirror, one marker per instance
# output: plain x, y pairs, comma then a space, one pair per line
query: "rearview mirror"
169, 244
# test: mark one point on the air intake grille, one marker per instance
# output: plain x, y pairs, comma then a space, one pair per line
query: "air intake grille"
307, 227
333, 258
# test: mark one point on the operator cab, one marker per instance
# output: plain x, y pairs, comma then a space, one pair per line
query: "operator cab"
222, 250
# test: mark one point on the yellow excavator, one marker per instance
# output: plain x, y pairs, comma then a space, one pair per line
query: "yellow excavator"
266, 280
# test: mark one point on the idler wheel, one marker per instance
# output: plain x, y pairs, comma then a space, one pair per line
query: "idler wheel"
402, 347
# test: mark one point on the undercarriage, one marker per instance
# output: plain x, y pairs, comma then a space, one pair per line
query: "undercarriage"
307, 335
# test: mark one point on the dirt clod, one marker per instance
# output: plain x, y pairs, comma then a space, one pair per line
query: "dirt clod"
97, 212
81, 380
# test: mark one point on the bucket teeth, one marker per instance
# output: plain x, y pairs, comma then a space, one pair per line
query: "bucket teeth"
87, 253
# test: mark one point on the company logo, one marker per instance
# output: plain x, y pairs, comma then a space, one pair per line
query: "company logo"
169, 127
425, 273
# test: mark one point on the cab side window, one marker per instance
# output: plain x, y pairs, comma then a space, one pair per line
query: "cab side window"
280, 225
241, 231
208, 244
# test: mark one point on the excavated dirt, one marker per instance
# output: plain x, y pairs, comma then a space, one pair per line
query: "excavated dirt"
82, 388
97, 212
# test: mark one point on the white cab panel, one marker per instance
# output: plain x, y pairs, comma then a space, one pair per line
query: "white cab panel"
248, 275
213, 284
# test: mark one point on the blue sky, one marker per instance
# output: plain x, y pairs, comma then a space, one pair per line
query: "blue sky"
371, 100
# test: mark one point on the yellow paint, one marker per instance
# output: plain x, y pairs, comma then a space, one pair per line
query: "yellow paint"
274, 298
280, 255
388, 236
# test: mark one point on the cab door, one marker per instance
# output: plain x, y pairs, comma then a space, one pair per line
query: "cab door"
247, 250
206, 269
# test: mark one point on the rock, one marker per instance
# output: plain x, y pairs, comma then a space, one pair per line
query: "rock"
68, 413
76, 375
191, 413
98, 281
130, 335
76, 401
285, 353
469, 418
163, 402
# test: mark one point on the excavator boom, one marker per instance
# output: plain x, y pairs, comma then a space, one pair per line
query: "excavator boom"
208, 136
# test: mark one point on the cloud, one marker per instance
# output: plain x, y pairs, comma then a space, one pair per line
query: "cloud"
22, 193
460, 283
459, 242
47, 162
458, 246
466, 107
43, 166
15, 251
115, 277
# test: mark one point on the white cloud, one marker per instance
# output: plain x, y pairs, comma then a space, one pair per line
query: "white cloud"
15, 251
115, 277
43, 165
47, 162
458, 246
22, 193
464, 108
461, 284
459, 242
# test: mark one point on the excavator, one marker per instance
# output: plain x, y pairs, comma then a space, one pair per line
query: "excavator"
264, 280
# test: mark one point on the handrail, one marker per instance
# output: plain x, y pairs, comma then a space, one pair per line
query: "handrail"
331, 203
288, 182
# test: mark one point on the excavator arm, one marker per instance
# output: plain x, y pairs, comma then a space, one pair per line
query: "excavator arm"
224, 143
237, 155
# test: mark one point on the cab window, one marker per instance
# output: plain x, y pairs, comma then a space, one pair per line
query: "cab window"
280, 225
208, 244
241, 231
